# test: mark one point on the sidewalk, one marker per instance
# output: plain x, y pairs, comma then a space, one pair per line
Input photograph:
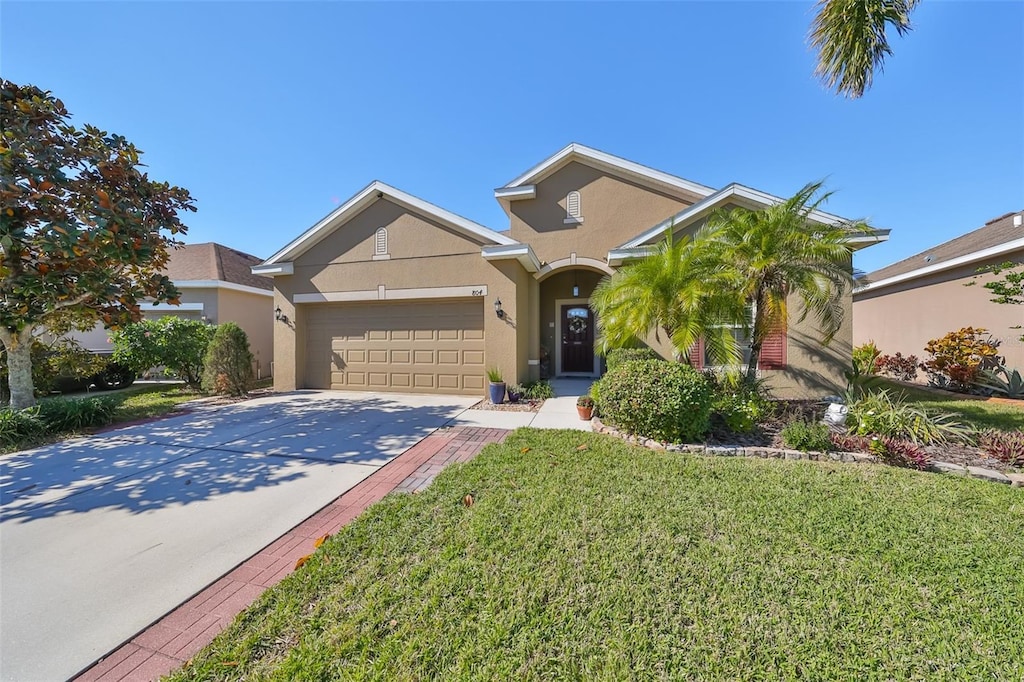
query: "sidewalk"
179, 635
556, 413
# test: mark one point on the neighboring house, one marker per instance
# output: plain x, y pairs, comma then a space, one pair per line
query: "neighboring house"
904, 305
217, 285
391, 293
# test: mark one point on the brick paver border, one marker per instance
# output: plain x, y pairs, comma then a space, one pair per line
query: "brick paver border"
179, 635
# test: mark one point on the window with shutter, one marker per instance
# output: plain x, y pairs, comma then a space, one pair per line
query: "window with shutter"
773, 351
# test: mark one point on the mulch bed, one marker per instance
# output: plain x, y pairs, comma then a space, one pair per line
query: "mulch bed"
770, 435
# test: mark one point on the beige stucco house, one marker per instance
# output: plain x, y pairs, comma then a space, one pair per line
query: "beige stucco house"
217, 285
904, 305
392, 293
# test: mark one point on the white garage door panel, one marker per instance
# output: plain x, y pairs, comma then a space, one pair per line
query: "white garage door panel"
425, 347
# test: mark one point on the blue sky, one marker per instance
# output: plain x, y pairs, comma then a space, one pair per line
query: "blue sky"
271, 113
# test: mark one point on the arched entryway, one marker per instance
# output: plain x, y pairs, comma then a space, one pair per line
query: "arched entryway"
568, 325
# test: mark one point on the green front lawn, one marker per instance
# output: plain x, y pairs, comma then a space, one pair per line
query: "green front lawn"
611, 562
152, 400
980, 413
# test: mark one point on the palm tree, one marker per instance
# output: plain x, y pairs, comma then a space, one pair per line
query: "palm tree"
677, 292
851, 41
777, 251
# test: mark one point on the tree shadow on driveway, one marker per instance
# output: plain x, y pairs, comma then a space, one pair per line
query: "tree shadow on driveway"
213, 452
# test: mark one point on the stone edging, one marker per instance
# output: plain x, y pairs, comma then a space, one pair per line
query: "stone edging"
1016, 480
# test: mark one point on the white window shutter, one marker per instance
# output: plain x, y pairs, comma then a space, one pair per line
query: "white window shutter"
572, 205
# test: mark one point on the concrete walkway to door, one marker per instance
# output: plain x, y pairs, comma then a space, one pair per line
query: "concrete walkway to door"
556, 413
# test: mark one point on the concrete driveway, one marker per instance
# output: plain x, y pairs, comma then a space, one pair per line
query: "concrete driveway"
101, 536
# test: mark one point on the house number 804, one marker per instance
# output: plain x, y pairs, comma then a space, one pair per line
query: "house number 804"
478, 292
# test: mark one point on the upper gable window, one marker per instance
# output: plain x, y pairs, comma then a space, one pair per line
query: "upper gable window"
573, 208
380, 244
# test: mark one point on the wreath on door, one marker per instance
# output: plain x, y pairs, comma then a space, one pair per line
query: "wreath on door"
577, 325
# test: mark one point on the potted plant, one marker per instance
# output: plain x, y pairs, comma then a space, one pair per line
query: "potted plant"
515, 393
497, 385
585, 407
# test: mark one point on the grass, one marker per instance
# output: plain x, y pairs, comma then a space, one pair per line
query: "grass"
980, 413
612, 562
144, 402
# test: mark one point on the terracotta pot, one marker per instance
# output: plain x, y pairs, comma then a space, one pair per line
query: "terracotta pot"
586, 413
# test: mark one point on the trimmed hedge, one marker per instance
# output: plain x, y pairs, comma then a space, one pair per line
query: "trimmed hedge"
617, 356
667, 401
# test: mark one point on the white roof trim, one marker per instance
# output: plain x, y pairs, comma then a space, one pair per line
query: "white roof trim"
282, 268
513, 193
363, 199
708, 204
521, 252
617, 257
600, 158
165, 306
974, 256
221, 284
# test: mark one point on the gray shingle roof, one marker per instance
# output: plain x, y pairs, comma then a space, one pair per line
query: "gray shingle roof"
995, 232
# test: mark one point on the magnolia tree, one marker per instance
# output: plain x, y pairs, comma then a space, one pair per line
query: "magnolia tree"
84, 233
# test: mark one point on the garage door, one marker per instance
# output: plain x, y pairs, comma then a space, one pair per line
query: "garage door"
425, 347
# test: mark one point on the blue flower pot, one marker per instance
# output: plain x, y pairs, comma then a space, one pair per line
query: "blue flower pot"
497, 392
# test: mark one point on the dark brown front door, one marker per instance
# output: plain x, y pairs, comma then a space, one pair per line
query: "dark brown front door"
577, 339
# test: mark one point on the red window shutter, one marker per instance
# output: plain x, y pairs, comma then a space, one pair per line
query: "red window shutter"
696, 354
773, 351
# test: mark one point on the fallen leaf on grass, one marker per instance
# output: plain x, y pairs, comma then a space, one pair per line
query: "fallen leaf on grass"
302, 561
321, 540
582, 447
468, 500
525, 450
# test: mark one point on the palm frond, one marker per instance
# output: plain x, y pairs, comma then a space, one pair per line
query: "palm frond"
850, 36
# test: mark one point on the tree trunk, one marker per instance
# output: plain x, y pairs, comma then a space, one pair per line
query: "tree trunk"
757, 338
19, 367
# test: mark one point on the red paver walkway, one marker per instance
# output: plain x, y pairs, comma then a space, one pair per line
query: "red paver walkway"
179, 635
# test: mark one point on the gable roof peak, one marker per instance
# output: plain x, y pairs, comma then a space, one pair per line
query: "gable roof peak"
367, 196
575, 151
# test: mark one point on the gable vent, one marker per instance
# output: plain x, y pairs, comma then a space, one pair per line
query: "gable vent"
572, 205
380, 246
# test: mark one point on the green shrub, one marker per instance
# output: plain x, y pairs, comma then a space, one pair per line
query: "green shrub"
888, 414
74, 415
807, 436
227, 368
866, 357
20, 427
617, 356
537, 390
174, 343
63, 357
667, 401
738, 404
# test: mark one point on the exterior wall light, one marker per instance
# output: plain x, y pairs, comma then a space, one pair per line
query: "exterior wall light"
279, 316
497, 309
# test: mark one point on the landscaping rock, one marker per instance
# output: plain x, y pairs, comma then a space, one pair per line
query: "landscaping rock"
949, 468
1016, 480
988, 475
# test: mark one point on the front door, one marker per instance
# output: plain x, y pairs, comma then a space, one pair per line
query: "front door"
577, 339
